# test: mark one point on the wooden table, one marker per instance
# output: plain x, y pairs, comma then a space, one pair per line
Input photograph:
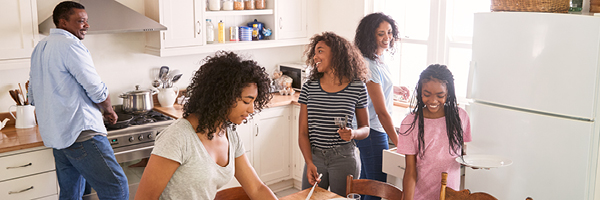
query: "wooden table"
318, 194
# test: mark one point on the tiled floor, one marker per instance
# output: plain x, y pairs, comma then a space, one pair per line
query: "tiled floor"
286, 192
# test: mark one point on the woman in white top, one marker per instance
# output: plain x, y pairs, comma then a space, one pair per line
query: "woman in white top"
201, 152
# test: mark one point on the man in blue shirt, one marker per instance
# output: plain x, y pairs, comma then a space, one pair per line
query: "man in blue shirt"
69, 95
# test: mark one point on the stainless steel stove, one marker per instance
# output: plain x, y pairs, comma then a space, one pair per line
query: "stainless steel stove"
133, 144
136, 141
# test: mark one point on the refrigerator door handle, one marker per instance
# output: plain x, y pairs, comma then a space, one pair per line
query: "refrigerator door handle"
472, 67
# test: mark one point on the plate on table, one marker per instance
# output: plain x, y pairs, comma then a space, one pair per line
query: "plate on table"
484, 161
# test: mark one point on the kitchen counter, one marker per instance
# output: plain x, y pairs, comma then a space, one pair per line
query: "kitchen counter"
278, 100
12, 139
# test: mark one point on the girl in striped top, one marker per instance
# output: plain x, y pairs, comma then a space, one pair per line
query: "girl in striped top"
335, 90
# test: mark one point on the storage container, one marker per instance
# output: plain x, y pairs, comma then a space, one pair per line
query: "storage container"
555, 6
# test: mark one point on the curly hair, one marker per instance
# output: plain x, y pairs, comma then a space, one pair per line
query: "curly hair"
217, 86
365, 39
63, 10
453, 122
346, 60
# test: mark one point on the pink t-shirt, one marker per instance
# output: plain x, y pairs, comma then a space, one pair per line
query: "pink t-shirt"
436, 158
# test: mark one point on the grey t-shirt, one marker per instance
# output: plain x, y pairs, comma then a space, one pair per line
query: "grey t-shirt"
199, 176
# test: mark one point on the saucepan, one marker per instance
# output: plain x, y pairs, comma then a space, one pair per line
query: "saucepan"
122, 121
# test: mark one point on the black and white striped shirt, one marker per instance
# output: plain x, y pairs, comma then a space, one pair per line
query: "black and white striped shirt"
323, 107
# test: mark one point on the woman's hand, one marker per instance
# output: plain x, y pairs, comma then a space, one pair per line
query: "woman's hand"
312, 174
402, 91
346, 134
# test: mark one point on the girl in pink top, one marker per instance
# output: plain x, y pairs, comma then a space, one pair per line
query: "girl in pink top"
433, 135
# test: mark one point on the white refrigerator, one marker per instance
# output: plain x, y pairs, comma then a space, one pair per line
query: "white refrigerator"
534, 85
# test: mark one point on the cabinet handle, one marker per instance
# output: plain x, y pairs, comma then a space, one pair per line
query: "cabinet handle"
402, 168
24, 190
256, 130
26, 165
199, 29
280, 26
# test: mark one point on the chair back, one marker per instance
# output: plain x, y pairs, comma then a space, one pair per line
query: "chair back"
447, 193
372, 188
234, 193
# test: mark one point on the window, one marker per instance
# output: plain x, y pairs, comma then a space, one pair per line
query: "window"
432, 31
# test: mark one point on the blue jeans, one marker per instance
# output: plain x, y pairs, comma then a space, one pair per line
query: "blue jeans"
93, 161
371, 157
335, 164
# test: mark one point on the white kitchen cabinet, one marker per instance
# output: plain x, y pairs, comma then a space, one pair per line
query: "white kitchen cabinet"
272, 144
186, 23
18, 30
291, 19
246, 131
266, 138
28, 174
394, 164
298, 159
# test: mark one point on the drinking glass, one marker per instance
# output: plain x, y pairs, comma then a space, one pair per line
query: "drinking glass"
353, 196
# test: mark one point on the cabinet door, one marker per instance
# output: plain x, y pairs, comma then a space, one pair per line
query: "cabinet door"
246, 131
298, 161
18, 30
271, 144
291, 19
183, 21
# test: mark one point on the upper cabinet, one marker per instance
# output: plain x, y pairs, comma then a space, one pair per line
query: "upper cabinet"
183, 19
18, 30
186, 26
291, 19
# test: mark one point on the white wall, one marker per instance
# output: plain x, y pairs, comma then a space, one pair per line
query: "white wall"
121, 63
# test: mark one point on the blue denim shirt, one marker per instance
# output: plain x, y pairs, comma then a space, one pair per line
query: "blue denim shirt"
64, 88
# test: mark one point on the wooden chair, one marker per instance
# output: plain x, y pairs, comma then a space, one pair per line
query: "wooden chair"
450, 194
372, 188
234, 193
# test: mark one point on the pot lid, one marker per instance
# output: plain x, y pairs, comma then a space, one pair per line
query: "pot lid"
138, 91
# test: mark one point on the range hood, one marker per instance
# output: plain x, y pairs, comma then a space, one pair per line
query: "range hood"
109, 16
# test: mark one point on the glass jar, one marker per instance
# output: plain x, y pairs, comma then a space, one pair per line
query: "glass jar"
238, 4
227, 5
249, 5
214, 5
260, 4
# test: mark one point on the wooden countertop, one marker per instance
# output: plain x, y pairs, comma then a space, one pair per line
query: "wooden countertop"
12, 139
278, 100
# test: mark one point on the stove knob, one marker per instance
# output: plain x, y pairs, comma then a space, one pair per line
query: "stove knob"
131, 139
141, 137
149, 136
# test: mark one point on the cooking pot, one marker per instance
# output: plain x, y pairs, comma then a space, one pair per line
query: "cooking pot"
138, 101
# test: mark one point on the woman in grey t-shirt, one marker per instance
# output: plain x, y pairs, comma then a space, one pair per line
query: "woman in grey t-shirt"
201, 152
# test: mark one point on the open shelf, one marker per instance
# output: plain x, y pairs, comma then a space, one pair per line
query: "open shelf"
239, 12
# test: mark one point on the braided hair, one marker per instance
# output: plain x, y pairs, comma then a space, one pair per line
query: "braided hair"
453, 123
